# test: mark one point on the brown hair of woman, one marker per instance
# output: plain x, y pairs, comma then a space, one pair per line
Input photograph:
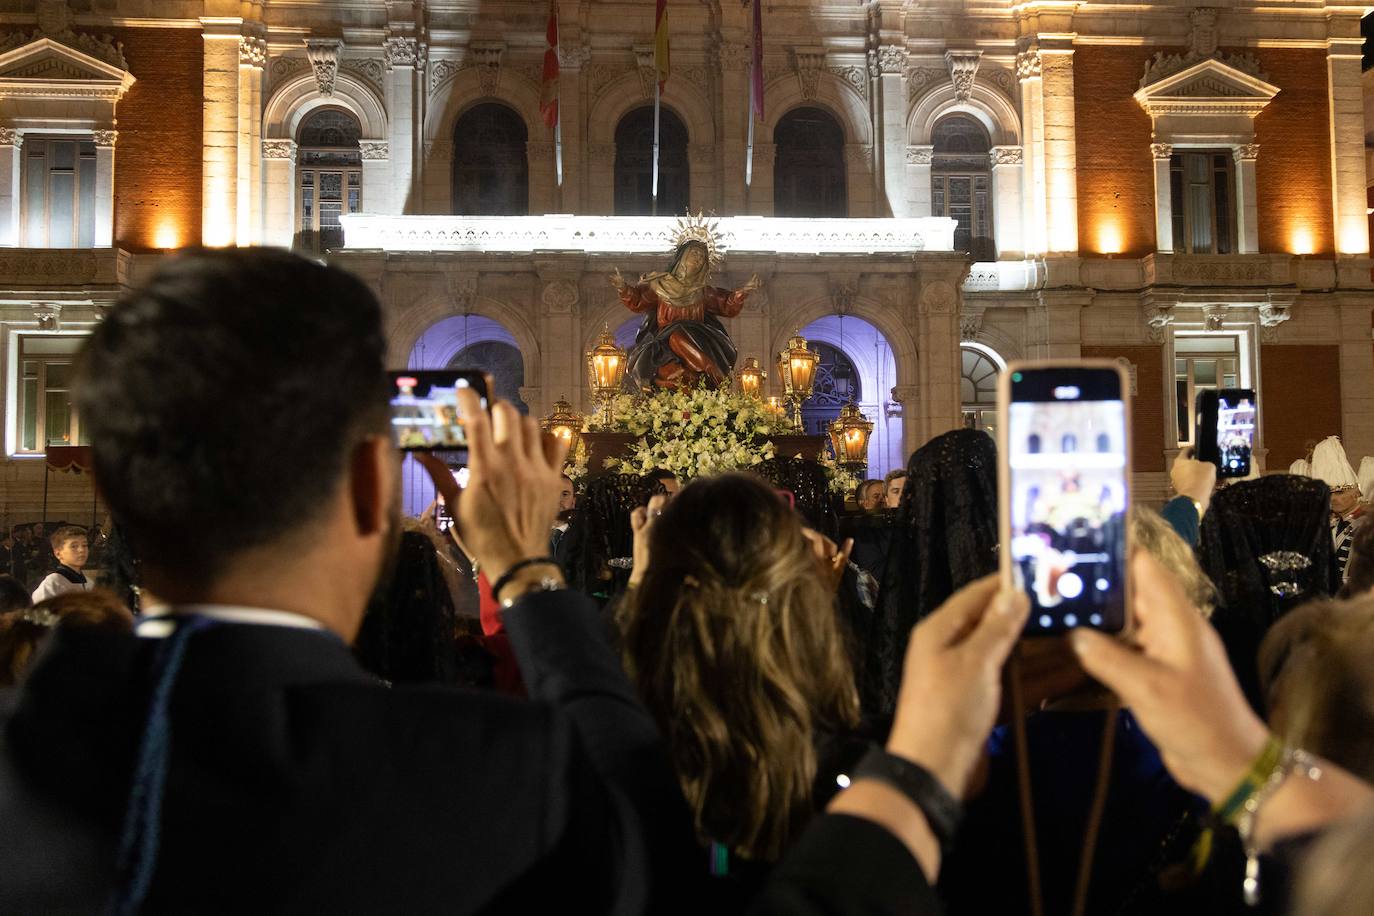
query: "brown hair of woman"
734, 643
23, 631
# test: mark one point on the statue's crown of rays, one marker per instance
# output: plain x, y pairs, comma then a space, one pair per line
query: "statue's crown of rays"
701, 228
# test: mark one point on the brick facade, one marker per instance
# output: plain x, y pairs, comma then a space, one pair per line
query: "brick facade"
1301, 399
1116, 185
1147, 408
1293, 174
158, 159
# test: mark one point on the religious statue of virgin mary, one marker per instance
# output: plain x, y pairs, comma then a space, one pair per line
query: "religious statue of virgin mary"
681, 341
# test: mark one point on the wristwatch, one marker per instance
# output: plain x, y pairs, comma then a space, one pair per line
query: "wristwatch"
943, 811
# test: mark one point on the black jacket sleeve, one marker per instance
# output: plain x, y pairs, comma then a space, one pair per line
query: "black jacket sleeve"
847, 866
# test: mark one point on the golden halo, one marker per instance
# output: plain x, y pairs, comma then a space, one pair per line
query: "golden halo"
704, 229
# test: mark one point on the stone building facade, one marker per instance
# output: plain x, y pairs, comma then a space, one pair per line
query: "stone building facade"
932, 190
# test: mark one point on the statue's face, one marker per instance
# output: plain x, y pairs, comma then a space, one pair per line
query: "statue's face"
693, 258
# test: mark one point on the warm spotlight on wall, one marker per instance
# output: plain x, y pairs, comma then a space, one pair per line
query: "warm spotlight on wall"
167, 236
1354, 237
1109, 239
1300, 242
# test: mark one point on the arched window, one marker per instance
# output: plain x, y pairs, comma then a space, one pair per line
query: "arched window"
978, 388
1104, 443
502, 362
836, 384
961, 183
491, 172
808, 170
1068, 444
1033, 444
634, 164
329, 176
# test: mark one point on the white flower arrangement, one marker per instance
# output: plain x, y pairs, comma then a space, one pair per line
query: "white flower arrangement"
697, 432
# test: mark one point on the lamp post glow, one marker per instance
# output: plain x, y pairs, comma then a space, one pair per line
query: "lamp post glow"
849, 435
564, 423
605, 371
751, 378
797, 366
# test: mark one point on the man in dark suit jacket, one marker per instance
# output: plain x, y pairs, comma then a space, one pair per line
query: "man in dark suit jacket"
232, 757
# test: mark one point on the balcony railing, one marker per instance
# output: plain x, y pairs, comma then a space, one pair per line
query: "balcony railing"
634, 234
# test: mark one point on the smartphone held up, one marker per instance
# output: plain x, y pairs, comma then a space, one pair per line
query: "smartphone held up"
1226, 429
425, 413
1064, 491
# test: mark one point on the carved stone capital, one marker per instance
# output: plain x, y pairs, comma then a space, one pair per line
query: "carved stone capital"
374, 149
1247, 152
1157, 318
48, 315
574, 56
252, 51
963, 67
10, 136
1272, 315
892, 59
324, 56
403, 51
1161, 152
105, 138
1005, 155
1214, 317
920, 155
279, 149
733, 55
970, 322
1028, 65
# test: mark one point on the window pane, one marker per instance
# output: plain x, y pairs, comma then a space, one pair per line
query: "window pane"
62, 210
36, 198
1199, 219
66, 344
57, 419
85, 237
63, 153
1205, 373
59, 376
1208, 344
1223, 211
1181, 369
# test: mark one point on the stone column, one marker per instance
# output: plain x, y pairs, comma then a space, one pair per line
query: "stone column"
891, 65
560, 323
543, 186
1055, 326
1357, 375
220, 132
379, 177
1346, 103
404, 85
908, 396
1029, 72
917, 160
438, 177
252, 57
859, 177
1061, 150
937, 410
11, 195
573, 56
1247, 202
1006, 162
733, 58
104, 187
279, 188
1162, 154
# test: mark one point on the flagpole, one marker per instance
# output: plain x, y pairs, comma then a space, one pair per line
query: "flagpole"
658, 92
749, 150
558, 124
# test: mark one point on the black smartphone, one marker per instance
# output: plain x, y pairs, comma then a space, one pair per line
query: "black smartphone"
443, 520
1226, 429
425, 416
1064, 490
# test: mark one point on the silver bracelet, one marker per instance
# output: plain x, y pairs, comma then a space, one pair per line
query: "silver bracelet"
1293, 761
546, 584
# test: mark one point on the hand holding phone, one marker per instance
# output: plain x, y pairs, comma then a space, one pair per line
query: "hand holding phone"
426, 414
1226, 420
1064, 483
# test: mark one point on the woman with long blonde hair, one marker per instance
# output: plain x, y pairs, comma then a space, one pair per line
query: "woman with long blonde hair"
732, 638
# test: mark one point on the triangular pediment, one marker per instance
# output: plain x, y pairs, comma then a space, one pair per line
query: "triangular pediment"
1206, 84
45, 61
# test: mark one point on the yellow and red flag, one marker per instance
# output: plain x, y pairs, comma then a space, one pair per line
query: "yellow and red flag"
661, 43
548, 85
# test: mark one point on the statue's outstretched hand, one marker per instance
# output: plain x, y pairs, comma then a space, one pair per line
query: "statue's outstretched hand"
753, 284
617, 280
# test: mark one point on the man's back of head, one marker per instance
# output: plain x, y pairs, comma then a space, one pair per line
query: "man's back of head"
223, 401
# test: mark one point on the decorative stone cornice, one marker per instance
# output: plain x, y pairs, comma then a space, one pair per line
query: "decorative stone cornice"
369, 68
252, 51
403, 51
1005, 155
374, 149
105, 138
48, 315
1202, 46
809, 64
55, 23
279, 149
1211, 86
963, 68
324, 54
892, 59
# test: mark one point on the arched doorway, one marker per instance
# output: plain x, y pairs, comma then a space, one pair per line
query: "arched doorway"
329, 176
856, 364
808, 169
491, 171
634, 157
979, 367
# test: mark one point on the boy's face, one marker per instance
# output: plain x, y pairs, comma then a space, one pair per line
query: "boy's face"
73, 552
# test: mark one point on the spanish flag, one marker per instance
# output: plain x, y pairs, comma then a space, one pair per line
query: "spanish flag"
661, 42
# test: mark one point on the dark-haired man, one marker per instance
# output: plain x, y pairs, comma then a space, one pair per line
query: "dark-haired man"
233, 757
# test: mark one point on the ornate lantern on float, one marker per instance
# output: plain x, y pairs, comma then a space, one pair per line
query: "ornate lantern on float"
776, 409
849, 436
797, 367
751, 378
605, 372
564, 423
